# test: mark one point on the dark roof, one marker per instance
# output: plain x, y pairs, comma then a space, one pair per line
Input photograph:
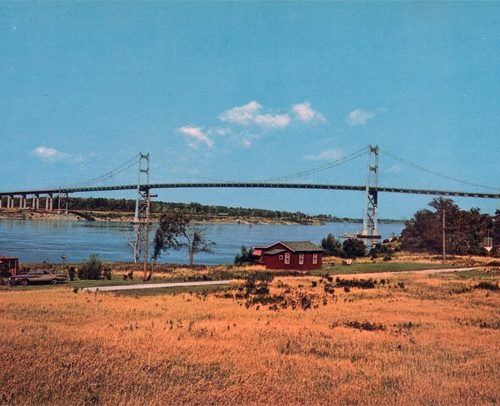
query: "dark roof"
273, 252
302, 246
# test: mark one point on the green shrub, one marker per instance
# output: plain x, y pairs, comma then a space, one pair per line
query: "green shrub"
92, 269
245, 256
72, 273
331, 246
107, 273
353, 248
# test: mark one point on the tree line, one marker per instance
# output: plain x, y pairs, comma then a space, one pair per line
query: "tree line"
193, 209
465, 231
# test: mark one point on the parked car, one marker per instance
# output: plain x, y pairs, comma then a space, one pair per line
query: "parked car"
36, 276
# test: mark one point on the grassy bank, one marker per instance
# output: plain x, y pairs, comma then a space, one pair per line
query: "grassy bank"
405, 339
168, 273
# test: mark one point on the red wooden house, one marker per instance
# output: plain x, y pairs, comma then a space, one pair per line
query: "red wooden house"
8, 266
300, 255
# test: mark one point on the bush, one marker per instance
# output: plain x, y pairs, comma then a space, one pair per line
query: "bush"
92, 269
331, 246
72, 273
107, 273
353, 248
245, 256
355, 283
487, 286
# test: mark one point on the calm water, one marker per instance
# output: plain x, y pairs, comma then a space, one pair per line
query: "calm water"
35, 241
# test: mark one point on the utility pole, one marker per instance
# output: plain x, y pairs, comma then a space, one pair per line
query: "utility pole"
444, 235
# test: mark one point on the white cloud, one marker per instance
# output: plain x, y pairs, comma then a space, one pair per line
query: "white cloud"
270, 121
222, 131
196, 135
49, 154
305, 113
331, 154
250, 114
242, 114
359, 117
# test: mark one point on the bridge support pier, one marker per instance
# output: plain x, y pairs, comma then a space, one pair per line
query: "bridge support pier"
370, 224
48, 202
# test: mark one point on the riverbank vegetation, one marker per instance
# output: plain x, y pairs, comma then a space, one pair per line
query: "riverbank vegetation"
107, 209
388, 339
466, 231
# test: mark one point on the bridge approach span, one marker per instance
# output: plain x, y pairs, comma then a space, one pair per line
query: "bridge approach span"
255, 185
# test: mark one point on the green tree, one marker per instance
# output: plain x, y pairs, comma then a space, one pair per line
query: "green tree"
244, 257
465, 229
354, 248
171, 227
196, 242
331, 246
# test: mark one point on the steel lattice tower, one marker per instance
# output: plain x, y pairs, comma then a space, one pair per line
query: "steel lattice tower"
142, 208
370, 223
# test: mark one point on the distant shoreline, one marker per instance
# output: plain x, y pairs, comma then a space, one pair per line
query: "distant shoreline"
126, 217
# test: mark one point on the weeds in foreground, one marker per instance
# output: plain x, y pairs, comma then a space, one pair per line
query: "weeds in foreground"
487, 286
360, 325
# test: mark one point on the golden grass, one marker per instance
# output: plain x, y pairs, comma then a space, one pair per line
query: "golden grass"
408, 257
439, 346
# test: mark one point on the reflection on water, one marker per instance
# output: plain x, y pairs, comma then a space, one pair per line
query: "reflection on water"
35, 241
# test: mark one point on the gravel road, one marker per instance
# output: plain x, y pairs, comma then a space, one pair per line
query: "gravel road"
155, 286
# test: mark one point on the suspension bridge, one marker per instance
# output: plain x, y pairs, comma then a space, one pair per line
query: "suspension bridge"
43, 198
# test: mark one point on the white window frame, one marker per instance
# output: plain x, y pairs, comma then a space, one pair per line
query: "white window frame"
287, 258
301, 259
315, 259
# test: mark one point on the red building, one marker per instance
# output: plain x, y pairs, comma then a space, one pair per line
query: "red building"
300, 255
8, 266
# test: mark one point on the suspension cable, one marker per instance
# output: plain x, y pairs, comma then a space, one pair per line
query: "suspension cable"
321, 168
435, 173
113, 172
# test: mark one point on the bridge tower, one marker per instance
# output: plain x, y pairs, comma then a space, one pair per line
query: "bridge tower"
370, 223
142, 208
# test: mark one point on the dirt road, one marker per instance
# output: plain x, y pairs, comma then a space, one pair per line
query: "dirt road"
227, 282
155, 286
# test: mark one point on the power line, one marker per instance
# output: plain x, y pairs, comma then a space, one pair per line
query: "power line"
435, 173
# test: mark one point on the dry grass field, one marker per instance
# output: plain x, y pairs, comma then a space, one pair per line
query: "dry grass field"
397, 339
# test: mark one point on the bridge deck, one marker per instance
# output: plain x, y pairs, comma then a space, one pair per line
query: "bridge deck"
265, 185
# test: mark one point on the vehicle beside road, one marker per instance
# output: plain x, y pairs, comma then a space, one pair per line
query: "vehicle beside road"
36, 276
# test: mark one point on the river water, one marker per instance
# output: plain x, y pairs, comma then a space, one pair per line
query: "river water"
37, 241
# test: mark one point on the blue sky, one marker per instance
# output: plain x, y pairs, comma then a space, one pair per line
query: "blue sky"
252, 91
